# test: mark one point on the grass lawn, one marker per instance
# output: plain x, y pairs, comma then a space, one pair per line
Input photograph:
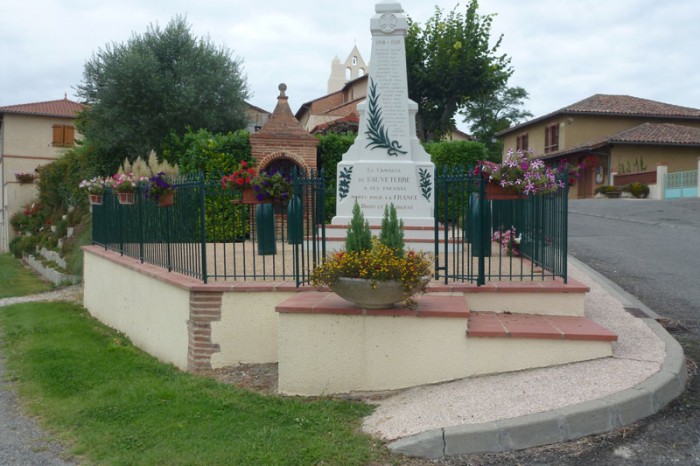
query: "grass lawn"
116, 405
17, 280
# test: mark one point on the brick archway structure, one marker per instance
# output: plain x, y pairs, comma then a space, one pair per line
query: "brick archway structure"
268, 159
282, 136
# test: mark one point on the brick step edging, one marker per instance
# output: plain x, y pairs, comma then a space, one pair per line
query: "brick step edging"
504, 325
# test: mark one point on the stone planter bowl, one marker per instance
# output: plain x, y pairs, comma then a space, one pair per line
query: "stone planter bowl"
359, 291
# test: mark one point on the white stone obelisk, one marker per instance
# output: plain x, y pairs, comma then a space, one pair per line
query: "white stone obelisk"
387, 164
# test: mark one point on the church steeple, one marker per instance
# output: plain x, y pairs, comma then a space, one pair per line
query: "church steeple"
353, 67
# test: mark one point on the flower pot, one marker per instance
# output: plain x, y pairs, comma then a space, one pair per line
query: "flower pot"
495, 191
95, 199
166, 199
360, 292
249, 196
125, 198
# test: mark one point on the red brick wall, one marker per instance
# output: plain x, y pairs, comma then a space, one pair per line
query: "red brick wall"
205, 308
641, 177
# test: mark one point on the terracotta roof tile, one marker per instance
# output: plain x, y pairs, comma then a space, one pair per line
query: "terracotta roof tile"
57, 108
646, 133
282, 123
628, 105
620, 105
658, 133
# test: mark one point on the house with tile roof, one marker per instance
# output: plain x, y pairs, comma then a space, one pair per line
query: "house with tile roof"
31, 135
614, 137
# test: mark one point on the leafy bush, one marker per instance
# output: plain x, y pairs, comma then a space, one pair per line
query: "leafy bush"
214, 155
330, 150
605, 189
446, 154
637, 189
59, 181
23, 245
210, 153
19, 221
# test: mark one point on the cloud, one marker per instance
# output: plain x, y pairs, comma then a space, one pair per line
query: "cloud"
561, 51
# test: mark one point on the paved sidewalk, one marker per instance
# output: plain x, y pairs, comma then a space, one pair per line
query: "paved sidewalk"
549, 405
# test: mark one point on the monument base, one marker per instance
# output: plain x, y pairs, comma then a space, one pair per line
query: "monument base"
376, 184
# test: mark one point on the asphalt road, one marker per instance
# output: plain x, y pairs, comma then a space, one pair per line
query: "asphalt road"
651, 249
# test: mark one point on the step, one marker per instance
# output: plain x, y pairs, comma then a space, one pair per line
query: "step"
337, 243
506, 325
417, 232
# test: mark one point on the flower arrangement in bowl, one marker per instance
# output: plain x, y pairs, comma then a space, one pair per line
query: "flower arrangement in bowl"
521, 173
375, 273
161, 190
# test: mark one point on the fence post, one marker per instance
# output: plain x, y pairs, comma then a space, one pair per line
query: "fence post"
698, 177
661, 172
202, 226
482, 229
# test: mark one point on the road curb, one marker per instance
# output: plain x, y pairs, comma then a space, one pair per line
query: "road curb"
564, 424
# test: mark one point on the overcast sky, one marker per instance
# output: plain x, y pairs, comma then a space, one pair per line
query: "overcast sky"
562, 50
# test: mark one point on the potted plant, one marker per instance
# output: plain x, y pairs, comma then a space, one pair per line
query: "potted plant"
375, 273
271, 187
161, 190
125, 185
520, 174
95, 188
509, 241
25, 178
241, 179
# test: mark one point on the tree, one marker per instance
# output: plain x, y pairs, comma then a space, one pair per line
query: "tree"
164, 80
449, 61
491, 113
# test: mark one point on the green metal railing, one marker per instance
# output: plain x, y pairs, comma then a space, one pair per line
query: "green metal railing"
466, 222
208, 234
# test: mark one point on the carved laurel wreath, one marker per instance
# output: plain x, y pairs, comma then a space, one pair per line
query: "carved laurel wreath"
425, 185
376, 132
344, 183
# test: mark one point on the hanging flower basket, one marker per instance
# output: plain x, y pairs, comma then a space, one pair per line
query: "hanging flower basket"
125, 198
95, 199
25, 178
166, 199
248, 196
495, 191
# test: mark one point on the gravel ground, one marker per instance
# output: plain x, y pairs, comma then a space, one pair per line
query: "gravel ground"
22, 441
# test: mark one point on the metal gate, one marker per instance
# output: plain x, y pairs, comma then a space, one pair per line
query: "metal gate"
681, 184
473, 233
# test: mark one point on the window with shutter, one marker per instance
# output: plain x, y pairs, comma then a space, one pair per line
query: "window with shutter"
521, 143
551, 138
63, 136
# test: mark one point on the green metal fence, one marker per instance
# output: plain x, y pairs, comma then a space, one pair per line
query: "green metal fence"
208, 234
532, 229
